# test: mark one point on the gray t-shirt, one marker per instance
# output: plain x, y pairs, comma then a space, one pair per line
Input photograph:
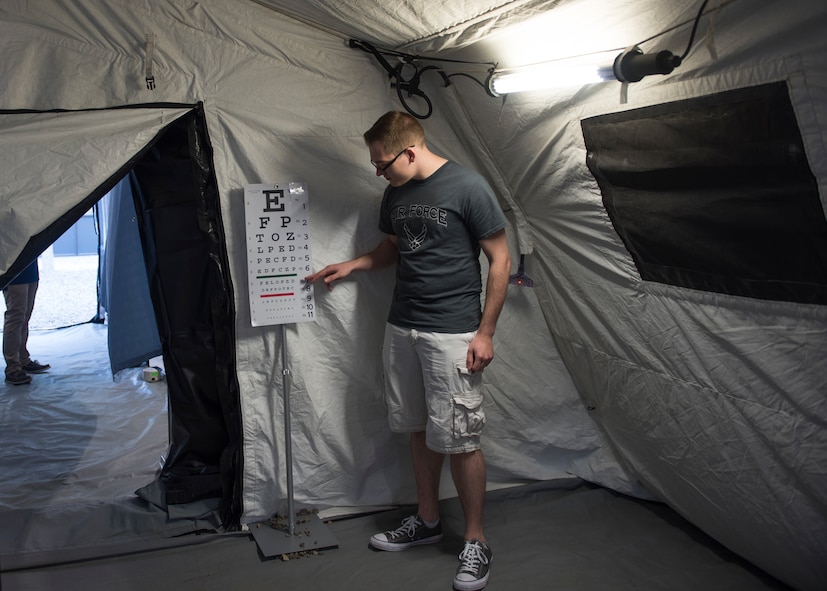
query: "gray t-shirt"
439, 222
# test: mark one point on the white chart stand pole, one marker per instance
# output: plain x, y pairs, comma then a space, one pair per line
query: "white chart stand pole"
288, 437
279, 538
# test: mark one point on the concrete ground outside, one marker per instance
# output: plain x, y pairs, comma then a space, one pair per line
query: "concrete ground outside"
67, 294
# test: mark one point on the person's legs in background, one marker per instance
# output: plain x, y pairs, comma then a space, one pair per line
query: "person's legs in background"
20, 300
15, 332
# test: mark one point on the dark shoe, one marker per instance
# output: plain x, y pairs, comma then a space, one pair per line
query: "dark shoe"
412, 532
475, 560
35, 367
18, 378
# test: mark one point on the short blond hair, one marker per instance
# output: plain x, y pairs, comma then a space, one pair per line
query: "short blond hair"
396, 131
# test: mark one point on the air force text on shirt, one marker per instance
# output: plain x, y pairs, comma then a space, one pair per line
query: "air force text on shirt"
428, 212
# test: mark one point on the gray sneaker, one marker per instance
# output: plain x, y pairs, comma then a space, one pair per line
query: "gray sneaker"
475, 560
412, 532
18, 378
35, 367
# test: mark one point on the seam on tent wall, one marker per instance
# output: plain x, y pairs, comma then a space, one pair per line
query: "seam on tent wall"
613, 360
302, 20
119, 173
62, 40
522, 229
161, 105
753, 306
492, 15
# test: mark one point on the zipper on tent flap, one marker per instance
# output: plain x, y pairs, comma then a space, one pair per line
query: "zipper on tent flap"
150, 50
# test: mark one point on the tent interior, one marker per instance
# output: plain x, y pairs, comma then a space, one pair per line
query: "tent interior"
656, 409
71, 520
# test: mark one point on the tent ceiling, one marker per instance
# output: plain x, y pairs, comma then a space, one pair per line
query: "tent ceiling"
569, 27
399, 23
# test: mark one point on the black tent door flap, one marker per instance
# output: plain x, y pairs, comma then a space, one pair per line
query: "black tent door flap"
177, 204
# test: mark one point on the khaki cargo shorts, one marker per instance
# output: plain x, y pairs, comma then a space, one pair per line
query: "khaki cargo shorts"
428, 388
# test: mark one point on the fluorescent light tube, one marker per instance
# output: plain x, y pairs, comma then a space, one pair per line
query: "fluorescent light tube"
548, 76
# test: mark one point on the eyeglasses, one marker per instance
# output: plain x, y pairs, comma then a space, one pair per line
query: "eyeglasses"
384, 167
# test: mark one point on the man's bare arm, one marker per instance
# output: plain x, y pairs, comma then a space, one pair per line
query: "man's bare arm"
481, 349
382, 256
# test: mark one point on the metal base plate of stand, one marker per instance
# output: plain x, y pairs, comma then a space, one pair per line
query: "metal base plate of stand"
274, 539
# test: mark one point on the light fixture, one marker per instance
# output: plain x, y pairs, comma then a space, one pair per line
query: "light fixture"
632, 65
549, 75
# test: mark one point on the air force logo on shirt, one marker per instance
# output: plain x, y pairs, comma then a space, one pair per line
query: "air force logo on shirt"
415, 240
416, 236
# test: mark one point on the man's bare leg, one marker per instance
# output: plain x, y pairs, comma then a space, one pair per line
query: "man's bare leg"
468, 471
427, 471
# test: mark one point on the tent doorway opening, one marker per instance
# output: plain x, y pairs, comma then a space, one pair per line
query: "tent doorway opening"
88, 382
184, 266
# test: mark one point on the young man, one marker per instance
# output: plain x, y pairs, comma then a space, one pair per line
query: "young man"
437, 215
20, 295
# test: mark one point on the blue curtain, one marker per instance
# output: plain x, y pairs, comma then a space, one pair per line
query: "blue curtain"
133, 332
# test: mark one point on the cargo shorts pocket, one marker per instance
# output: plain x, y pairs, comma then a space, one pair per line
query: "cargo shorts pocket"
468, 415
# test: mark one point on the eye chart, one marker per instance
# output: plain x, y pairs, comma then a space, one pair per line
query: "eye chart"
278, 253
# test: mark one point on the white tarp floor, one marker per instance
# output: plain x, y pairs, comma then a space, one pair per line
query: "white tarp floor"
77, 444
75, 435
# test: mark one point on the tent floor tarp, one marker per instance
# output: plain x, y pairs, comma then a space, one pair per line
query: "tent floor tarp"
73, 457
585, 538
75, 434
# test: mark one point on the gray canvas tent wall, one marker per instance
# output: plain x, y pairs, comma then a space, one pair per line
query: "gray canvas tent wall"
708, 399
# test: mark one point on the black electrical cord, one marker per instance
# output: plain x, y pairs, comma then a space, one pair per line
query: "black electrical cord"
694, 30
480, 82
407, 83
633, 65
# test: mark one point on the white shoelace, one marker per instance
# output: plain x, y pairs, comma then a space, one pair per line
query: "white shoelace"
408, 527
471, 557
